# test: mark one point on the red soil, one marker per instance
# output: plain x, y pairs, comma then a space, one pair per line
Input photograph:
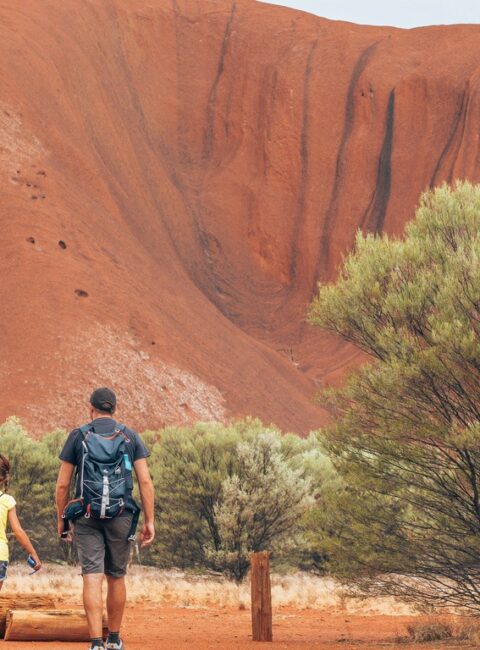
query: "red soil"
205, 163
228, 629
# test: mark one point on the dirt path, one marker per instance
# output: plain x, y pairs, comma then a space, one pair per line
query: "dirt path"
173, 628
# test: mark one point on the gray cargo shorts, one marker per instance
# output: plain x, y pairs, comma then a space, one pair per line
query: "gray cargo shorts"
103, 545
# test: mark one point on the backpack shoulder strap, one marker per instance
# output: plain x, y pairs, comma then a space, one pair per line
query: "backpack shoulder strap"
122, 428
84, 429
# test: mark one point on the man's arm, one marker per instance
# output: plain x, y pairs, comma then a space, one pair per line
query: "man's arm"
62, 491
148, 497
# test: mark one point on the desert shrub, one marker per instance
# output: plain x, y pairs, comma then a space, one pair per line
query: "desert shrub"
260, 505
311, 553
34, 467
224, 491
221, 493
468, 630
406, 438
431, 630
188, 466
442, 629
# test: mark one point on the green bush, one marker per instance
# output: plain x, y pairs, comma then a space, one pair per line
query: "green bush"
225, 491
260, 507
34, 467
221, 493
406, 439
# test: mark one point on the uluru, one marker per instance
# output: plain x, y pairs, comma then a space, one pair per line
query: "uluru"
177, 176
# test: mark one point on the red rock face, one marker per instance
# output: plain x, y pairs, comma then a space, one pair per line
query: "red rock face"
176, 178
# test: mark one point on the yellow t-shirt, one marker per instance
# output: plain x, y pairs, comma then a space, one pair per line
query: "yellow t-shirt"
7, 502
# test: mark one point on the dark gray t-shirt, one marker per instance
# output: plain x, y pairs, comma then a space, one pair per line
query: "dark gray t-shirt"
72, 449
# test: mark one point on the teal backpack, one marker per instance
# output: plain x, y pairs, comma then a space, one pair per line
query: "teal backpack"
104, 478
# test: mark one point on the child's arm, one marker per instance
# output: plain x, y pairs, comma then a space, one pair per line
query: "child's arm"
22, 537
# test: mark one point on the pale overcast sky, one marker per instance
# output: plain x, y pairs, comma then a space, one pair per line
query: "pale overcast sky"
401, 13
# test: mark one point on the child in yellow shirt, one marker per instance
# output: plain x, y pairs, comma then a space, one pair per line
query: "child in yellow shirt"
8, 514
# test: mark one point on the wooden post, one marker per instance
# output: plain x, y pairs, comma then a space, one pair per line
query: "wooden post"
261, 597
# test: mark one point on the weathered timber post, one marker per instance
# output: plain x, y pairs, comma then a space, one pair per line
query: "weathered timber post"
261, 597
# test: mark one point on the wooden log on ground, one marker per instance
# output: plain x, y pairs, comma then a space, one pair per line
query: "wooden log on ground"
47, 625
261, 597
22, 601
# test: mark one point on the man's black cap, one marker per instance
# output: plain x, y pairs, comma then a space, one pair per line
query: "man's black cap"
103, 399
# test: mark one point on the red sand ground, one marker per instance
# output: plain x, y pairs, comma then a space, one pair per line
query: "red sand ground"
225, 629
204, 162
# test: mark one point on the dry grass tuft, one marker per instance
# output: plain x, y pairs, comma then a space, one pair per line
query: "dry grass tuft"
432, 630
180, 589
443, 629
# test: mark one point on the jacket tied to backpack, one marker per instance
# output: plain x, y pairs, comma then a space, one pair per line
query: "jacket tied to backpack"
104, 478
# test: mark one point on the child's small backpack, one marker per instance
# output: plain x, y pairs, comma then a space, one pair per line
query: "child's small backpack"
104, 476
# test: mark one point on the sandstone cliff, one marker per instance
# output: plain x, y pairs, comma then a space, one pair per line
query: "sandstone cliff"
177, 176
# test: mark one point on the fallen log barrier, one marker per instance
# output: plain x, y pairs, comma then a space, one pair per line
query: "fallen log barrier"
47, 625
20, 601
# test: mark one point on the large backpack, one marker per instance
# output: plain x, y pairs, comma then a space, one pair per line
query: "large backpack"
104, 477
105, 473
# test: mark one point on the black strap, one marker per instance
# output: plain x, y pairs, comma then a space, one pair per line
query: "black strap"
132, 534
85, 428
66, 527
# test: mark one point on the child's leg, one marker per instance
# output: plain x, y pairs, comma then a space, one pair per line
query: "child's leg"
3, 573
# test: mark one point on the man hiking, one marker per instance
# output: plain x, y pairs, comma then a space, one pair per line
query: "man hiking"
104, 515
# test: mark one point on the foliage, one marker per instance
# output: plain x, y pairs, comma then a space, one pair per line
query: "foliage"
188, 466
260, 506
406, 442
430, 630
34, 467
221, 493
224, 491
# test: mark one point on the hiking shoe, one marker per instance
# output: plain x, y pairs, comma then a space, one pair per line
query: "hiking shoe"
114, 646
97, 647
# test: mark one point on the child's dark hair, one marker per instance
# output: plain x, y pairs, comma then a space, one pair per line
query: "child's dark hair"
4, 472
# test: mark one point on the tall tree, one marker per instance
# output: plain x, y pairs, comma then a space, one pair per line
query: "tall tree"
406, 438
